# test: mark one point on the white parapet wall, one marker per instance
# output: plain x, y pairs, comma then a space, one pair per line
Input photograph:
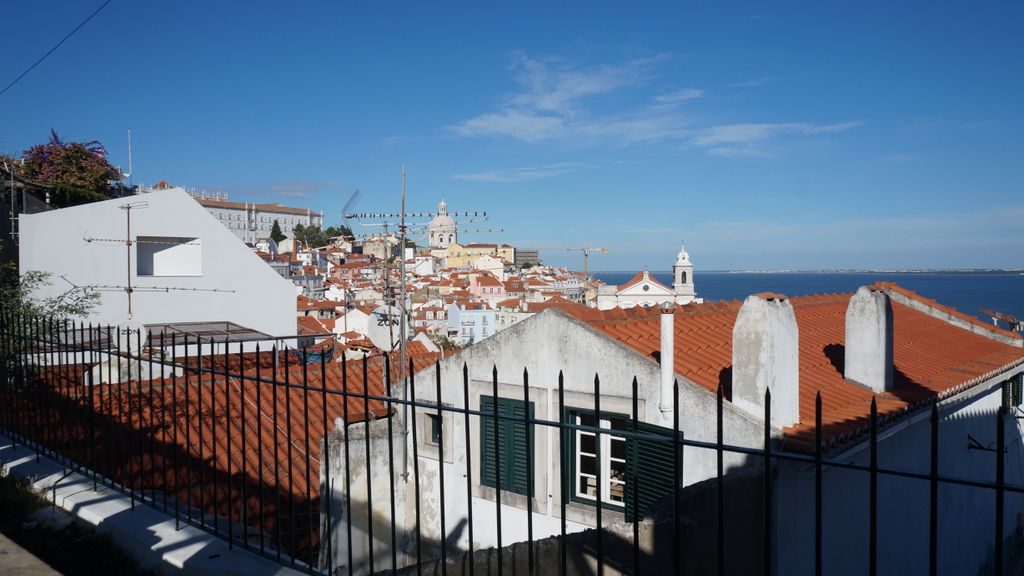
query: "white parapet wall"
184, 265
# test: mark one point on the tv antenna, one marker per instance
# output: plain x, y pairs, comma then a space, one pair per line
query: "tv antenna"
129, 288
416, 224
129, 174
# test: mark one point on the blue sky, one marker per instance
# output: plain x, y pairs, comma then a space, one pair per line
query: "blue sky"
767, 135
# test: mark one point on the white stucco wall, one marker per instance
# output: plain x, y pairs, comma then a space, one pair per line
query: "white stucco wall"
545, 344
966, 514
255, 296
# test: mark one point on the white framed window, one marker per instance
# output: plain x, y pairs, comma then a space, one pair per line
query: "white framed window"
612, 463
168, 256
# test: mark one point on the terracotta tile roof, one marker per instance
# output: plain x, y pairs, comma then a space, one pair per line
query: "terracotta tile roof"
361, 344
932, 358
558, 302
314, 325
640, 277
191, 437
509, 303
303, 303
269, 208
899, 290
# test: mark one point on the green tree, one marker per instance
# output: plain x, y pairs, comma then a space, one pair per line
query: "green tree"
275, 232
313, 236
335, 232
79, 171
17, 296
299, 233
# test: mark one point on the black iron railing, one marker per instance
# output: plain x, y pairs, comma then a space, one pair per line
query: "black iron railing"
227, 437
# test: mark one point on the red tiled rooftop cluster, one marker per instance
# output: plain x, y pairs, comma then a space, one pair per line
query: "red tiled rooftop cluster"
932, 358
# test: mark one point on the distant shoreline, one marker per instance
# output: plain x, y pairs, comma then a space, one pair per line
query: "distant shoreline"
994, 271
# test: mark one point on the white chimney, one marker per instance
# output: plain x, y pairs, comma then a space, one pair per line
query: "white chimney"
766, 356
667, 358
869, 340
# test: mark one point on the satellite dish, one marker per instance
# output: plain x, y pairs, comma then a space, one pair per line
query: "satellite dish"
133, 336
385, 327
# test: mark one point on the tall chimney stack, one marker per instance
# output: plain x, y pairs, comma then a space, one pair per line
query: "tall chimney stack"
667, 358
869, 340
765, 355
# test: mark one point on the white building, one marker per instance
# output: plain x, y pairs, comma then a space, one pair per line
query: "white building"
250, 222
645, 290
442, 230
894, 347
468, 323
253, 222
184, 265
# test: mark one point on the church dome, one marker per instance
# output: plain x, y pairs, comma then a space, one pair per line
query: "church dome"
441, 222
442, 229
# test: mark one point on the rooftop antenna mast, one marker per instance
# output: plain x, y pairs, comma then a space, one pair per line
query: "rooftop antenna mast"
129, 158
128, 246
401, 291
129, 288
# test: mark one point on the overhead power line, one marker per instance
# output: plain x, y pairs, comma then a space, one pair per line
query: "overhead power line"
38, 62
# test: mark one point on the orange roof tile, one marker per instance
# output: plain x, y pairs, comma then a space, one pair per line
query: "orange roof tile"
640, 277
932, 358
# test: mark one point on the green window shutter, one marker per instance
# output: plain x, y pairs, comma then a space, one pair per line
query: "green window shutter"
650, 467
516, 451
1018, 389
487, 453
520, 449
1007, 394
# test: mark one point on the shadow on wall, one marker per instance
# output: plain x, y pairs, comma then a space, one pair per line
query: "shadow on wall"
691, 544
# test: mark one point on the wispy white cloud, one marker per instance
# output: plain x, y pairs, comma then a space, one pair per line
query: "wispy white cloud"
552, 104
683, 95
754, 82
521, 174
557, 100
526, 125
556, 86
745, 139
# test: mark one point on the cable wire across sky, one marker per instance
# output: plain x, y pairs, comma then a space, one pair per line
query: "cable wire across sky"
52, 50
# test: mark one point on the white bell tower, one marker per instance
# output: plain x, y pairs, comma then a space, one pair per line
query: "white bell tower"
682, 272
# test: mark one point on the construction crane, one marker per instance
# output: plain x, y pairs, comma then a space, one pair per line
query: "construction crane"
587, 251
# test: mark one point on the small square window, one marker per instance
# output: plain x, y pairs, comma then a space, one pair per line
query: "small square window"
435, 429
168, 256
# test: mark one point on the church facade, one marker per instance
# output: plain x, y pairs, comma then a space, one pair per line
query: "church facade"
645, 290
442, 231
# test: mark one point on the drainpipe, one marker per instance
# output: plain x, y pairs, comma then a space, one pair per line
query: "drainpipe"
667, 357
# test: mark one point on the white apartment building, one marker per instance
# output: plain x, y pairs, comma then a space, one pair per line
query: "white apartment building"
253, 222
250, 222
